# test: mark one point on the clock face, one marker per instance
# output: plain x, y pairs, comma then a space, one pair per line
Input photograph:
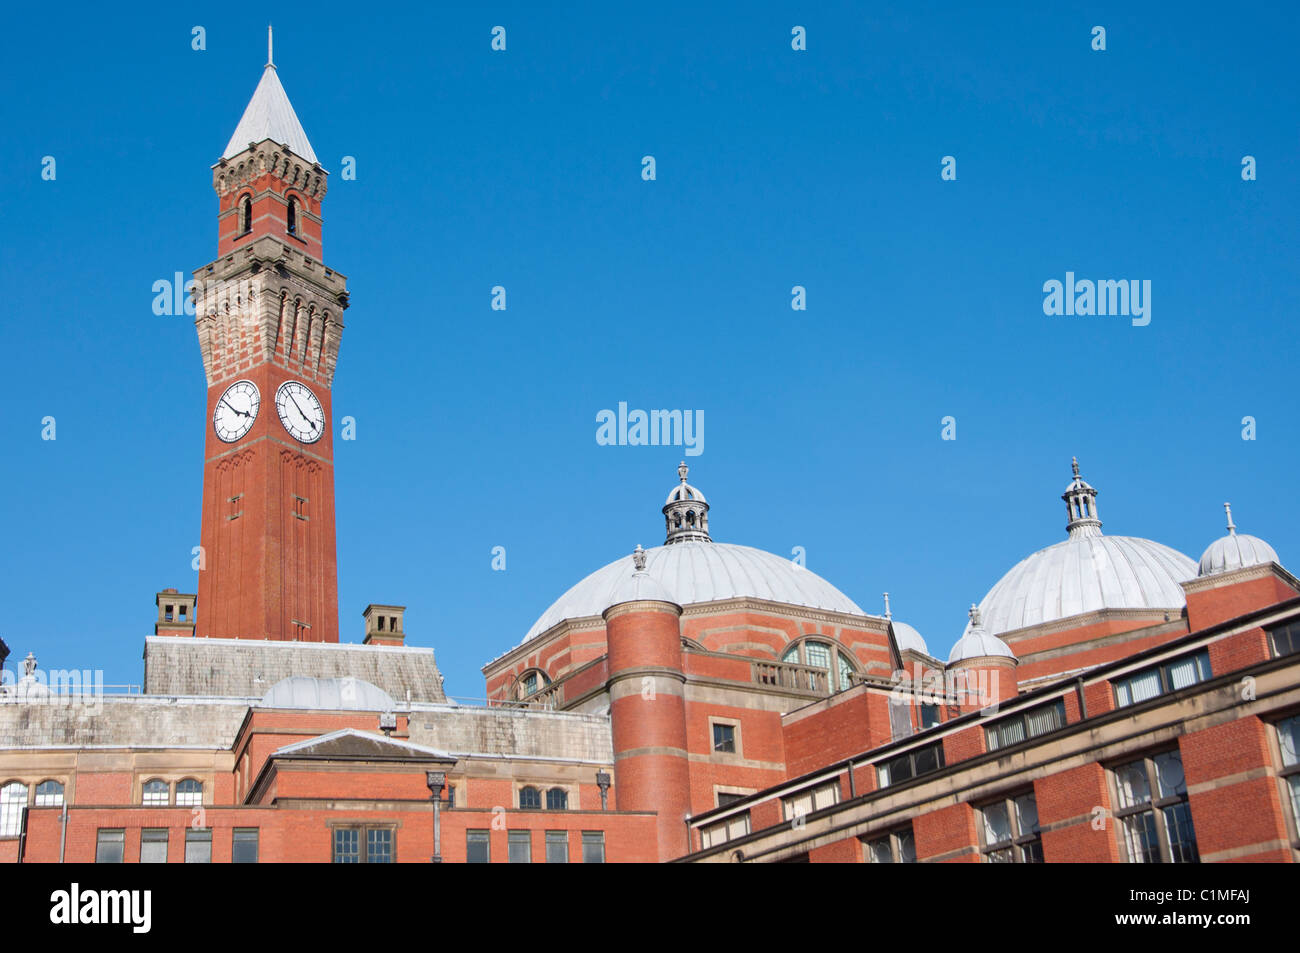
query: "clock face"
300, 412
236, 411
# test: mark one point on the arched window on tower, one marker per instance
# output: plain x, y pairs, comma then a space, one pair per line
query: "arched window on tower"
530, 799
293, 216
246, 213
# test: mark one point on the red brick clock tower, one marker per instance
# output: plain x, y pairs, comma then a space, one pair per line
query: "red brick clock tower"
269, 317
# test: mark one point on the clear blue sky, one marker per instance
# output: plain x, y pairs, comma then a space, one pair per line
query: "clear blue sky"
775, 168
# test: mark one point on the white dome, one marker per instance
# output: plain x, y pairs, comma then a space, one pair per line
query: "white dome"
327, 694
908, 638
979, 644
1236, 551
700, 572
1085, 574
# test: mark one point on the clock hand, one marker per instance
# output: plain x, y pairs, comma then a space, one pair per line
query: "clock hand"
242, 413
305, 418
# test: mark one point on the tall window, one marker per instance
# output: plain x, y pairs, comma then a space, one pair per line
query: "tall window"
557, 799
818, 654
110, 846
557, 847
198, 847
153, 845
189, 793
477, 847
1161, 679
379, 845
246, 213
156, 793
530, 799
49, 794
1288, 736
593, 847
293, 216
1027, 724
896, 847
1011, 834
244, 846
521, 847
1152, 811
13, 798
724, 738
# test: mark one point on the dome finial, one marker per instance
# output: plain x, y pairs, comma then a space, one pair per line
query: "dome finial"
1232, 530
887, 615
974, 616
686, 512
638, 558
270, 60
1080, 506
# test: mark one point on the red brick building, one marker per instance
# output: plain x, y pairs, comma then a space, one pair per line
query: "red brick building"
1110, 699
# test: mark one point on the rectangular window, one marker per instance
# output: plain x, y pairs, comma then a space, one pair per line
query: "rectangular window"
812, 799
1152, 811
363, 845
153, 846
244, 846
1160, 679
110, 847
557, 847
896, 847
521, 847
929, 715
724, 738
198, 847
915, 763
1028, 724
1288, 736
478, 849
1286, 639
1011, 834
593, 847
725, 798
737, 825
379, 845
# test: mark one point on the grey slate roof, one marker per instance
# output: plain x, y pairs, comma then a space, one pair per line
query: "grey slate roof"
269, 115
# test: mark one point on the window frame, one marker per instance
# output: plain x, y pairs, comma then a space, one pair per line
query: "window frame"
115, 836
58, 799
519, 838
555, 839
189, 795
838, 652
894, 840
536, 792
725, 723
563, 798
1162, 671
164, 840
1156, 804
1289, 631
993, 731
256, 840
144, 793
475, 836
11, 809
1289, 774
1017, 846
884, 773
594, 840
363, 832
198, 837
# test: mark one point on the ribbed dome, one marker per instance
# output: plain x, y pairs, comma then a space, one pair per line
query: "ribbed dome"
1236, 551
908, 638
700, 572
327, 694
1086, 574
978, 642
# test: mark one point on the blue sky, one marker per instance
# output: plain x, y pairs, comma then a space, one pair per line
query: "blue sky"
775, 168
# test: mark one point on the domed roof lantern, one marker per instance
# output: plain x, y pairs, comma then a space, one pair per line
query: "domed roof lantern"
1080, 507
977, 642
686, 513
1235, 551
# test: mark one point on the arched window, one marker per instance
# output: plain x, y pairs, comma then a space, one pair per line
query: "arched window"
557, 799
246, 225
293, 216
530, 799
189, 792
156, 793
49, 794
13, 798
530, 683
818, 654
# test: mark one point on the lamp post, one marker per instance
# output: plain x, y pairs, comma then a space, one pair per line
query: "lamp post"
602, 782
436, 781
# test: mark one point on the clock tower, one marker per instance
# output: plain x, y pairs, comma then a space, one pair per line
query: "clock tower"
269, 316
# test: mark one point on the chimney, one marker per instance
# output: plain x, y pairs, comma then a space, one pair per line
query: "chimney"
175, 613
384, 625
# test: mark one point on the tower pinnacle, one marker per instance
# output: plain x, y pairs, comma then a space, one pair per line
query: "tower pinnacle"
686, 513
1080, 506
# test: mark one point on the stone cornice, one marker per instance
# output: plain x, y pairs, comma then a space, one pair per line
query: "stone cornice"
1244, 574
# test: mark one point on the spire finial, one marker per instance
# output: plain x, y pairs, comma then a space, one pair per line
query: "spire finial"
974, 616
638, 558
686, 512
270, 60
1080, 506
1232, 530
1074, 462
682, 470
887, 615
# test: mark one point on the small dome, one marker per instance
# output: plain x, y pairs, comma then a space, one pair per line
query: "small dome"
908, 638
1235, 551
977, 643
640, 586
327, 694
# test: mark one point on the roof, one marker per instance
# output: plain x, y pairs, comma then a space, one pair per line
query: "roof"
269, 115
1087, 574
908, 638
351, 744
695, 572
327, 694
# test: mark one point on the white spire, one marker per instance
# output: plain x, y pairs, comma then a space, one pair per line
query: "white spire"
269, 115
1232, 530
